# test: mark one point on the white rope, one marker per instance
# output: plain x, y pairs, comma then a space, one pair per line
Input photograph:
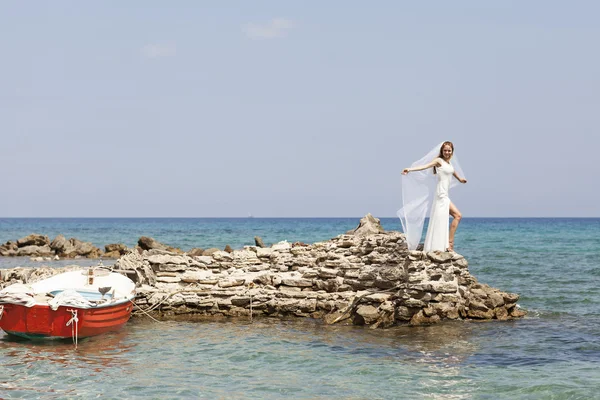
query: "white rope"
73, 326
1, 311
139, 308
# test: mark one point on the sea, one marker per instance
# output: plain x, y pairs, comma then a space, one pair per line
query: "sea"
552, 353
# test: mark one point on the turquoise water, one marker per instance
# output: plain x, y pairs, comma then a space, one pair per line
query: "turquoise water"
553, 353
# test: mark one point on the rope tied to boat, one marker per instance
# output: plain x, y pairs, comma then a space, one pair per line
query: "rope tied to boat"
1, 311
73, 325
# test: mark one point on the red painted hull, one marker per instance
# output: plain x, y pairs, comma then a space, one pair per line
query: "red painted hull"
40, 321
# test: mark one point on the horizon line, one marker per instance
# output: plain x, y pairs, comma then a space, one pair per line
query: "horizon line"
266, 217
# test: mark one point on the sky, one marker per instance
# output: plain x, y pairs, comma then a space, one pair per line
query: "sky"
295, 109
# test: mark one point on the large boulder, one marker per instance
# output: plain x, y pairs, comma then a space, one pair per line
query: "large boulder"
74, 247
148, 243
369, 225
8, 249
84, 249
33, 240
35, 251
115, 250
59, 244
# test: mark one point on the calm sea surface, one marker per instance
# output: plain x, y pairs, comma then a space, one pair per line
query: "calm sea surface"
554, 353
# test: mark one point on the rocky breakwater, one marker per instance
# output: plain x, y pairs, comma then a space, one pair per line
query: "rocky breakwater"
366, 277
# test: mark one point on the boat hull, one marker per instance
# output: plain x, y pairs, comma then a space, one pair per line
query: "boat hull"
41, 322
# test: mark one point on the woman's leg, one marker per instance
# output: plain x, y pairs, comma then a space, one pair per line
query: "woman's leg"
456, 217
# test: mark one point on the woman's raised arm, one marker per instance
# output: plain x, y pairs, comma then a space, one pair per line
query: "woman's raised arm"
434, 163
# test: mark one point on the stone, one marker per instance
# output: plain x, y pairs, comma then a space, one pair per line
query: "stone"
168, 259
33, 240
231, 283
415, 255
326, 273
264, 253
112, 254
210, 252
462, 263
259, 242
494, 300
413, 303
196, 251
392, 273
476, 305
368, 313
379, 297
421, 319
307, 305
439, 257
517, 312
480, 314
404, 313
148, 243
168, 279
222, 256
195, 276
33, 250
240, 301
283, 245
116, 247
297, 282
58, 244
501, 314
510, 298
368, 225
444, 287
204, 259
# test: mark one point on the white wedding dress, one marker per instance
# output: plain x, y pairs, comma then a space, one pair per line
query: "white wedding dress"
424, 193
439, 219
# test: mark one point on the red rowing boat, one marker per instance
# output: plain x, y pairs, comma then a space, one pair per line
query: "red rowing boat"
73, 304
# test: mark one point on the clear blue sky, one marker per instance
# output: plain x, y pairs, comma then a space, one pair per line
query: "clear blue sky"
306, 108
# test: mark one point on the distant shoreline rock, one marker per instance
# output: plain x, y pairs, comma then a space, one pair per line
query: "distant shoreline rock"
364, 277
40, 248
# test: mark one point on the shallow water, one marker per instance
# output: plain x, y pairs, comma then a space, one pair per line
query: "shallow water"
552, 353
305, 359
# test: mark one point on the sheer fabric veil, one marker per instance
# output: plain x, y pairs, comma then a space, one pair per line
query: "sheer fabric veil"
417, 194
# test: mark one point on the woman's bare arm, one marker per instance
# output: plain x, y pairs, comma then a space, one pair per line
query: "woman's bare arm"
461, 180
434, 163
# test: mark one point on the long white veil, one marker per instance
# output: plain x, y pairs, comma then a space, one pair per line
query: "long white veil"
417, 194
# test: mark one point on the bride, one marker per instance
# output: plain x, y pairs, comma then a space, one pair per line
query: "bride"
418, 191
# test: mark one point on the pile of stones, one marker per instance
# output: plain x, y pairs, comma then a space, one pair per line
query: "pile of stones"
365, 277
